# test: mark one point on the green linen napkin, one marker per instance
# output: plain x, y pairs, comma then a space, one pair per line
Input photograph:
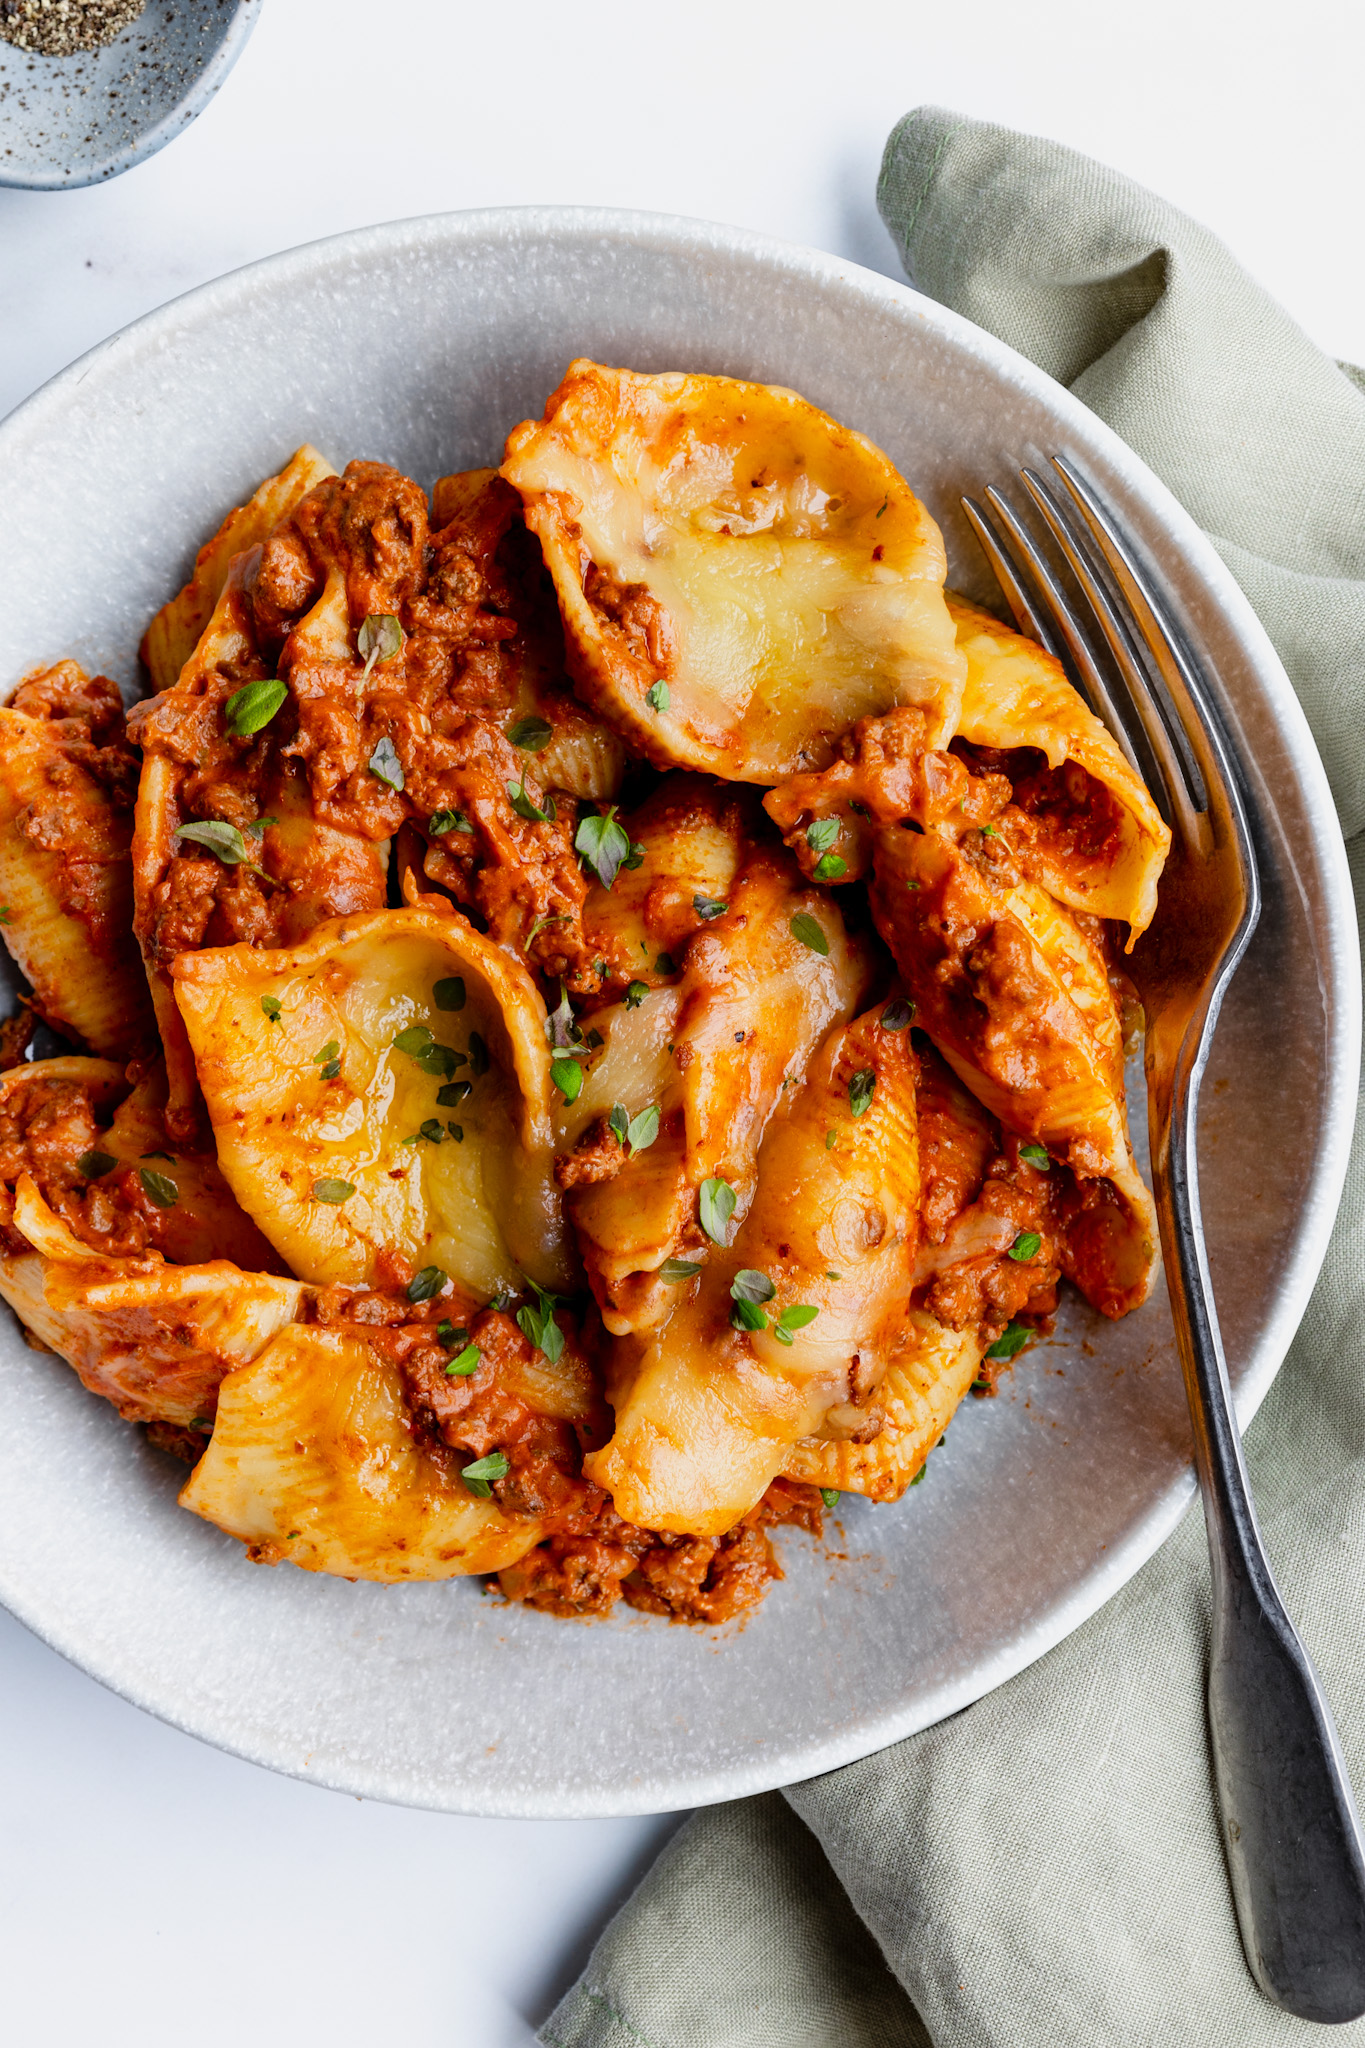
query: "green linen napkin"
1044, 1870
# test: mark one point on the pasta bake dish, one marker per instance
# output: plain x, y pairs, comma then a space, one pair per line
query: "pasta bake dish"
589, 1007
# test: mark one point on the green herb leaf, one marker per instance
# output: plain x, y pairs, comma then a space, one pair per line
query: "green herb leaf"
603, 844
919, 1476
636, 857
441, 822
746, 1315
861, 1090
5, 914
1036, 1155
830, 1496
326, 1052
449, 1335
989, 832
792, 1318
156, 1155
158, 1188
657, 697
811, 932
677, 1270
537, 1323
709, 906
94, 1165
830, 1139
478, 1055
432, 1131
331, 1072
440, 1061
414, 1039
530, 734
561, 1026
426, 1285
1010, 1342
644, 1129
332, 1190
822, 834
664, 964
456, 1132
450, 993
636, 993
270, 1007
257, 826
218, 838
885, 502
897, 1015
385, 765
595, 1039
748, 1285
247, 710
379, 639
716, 1207
1025, 1245
526, 807
567, 1076
453, 1094
477, 1475
465, 1362
829, 867
619, 1120
542, 924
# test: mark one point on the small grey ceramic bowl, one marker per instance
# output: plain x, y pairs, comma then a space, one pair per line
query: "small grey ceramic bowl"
69, 121
422, 343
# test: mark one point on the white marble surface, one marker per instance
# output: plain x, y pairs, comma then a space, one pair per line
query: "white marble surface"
152, 1890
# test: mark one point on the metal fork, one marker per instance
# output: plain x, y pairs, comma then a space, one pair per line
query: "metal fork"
1290, 1829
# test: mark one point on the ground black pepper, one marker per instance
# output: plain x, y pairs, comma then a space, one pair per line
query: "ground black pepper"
63, 28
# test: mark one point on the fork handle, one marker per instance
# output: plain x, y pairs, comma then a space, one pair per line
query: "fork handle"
1290, 1829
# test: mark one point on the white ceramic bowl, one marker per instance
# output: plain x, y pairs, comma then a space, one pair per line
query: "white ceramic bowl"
422, 343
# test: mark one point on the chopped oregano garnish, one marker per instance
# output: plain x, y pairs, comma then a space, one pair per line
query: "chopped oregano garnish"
327, 1062
636, 993
537, 1323
794, 1317
567, 1076
385, 765
830, 1138
885, 502
5, 913
665, 964
432, 1131
636, 1133
677, 1270
715, 1208
811, 932
526, 807
94, 1165
477, 1476
1010, 1342
252, 707
603, 844
829, 867
270, 1007
426, 1285
1037, 1155
332, 1190
822, 834
453, 1094
414, 1038
379, 639
636, 857
158, 1188
749, 1285
861, 1090
221, 839
450, 993
449, 1335
709, 906
465, 1362
657, 697
830, 1496
1025, 1245
441, 822
456, 1132
530, 734
897, 1015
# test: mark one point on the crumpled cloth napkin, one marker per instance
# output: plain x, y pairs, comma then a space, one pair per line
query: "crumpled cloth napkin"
1045, 1868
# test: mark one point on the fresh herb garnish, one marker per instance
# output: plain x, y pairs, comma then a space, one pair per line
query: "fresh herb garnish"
542, 924
456, 1132
657, 697
1010, 1342
861, 1090
450, 993
221, 839
567, 1076
158, 1188
822, 834
453, 1094
270, 1007
530, 734
830, 1138
432, 1131
327, 1062
385, 765
332, 1190
449, 1335
829, 867
5, 913
716, 1207
793, 1317
1037, 1155
830, 1496
426, 1285
636, 993
897, 1015
440, 1061
709, 906
882, 507
747, 1290
665, 964
379, 639
811, 932
248, 709
636, 1133
1025, 1245
677, 1270
603, 844
465, 1362
537, 1323
477, 1475
441, 822
636, 857
94, 1165
526, 807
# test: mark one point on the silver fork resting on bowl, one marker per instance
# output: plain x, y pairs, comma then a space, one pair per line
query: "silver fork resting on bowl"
1290, 1829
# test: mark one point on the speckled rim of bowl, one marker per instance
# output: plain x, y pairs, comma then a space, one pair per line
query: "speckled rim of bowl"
172, 123
41, 417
